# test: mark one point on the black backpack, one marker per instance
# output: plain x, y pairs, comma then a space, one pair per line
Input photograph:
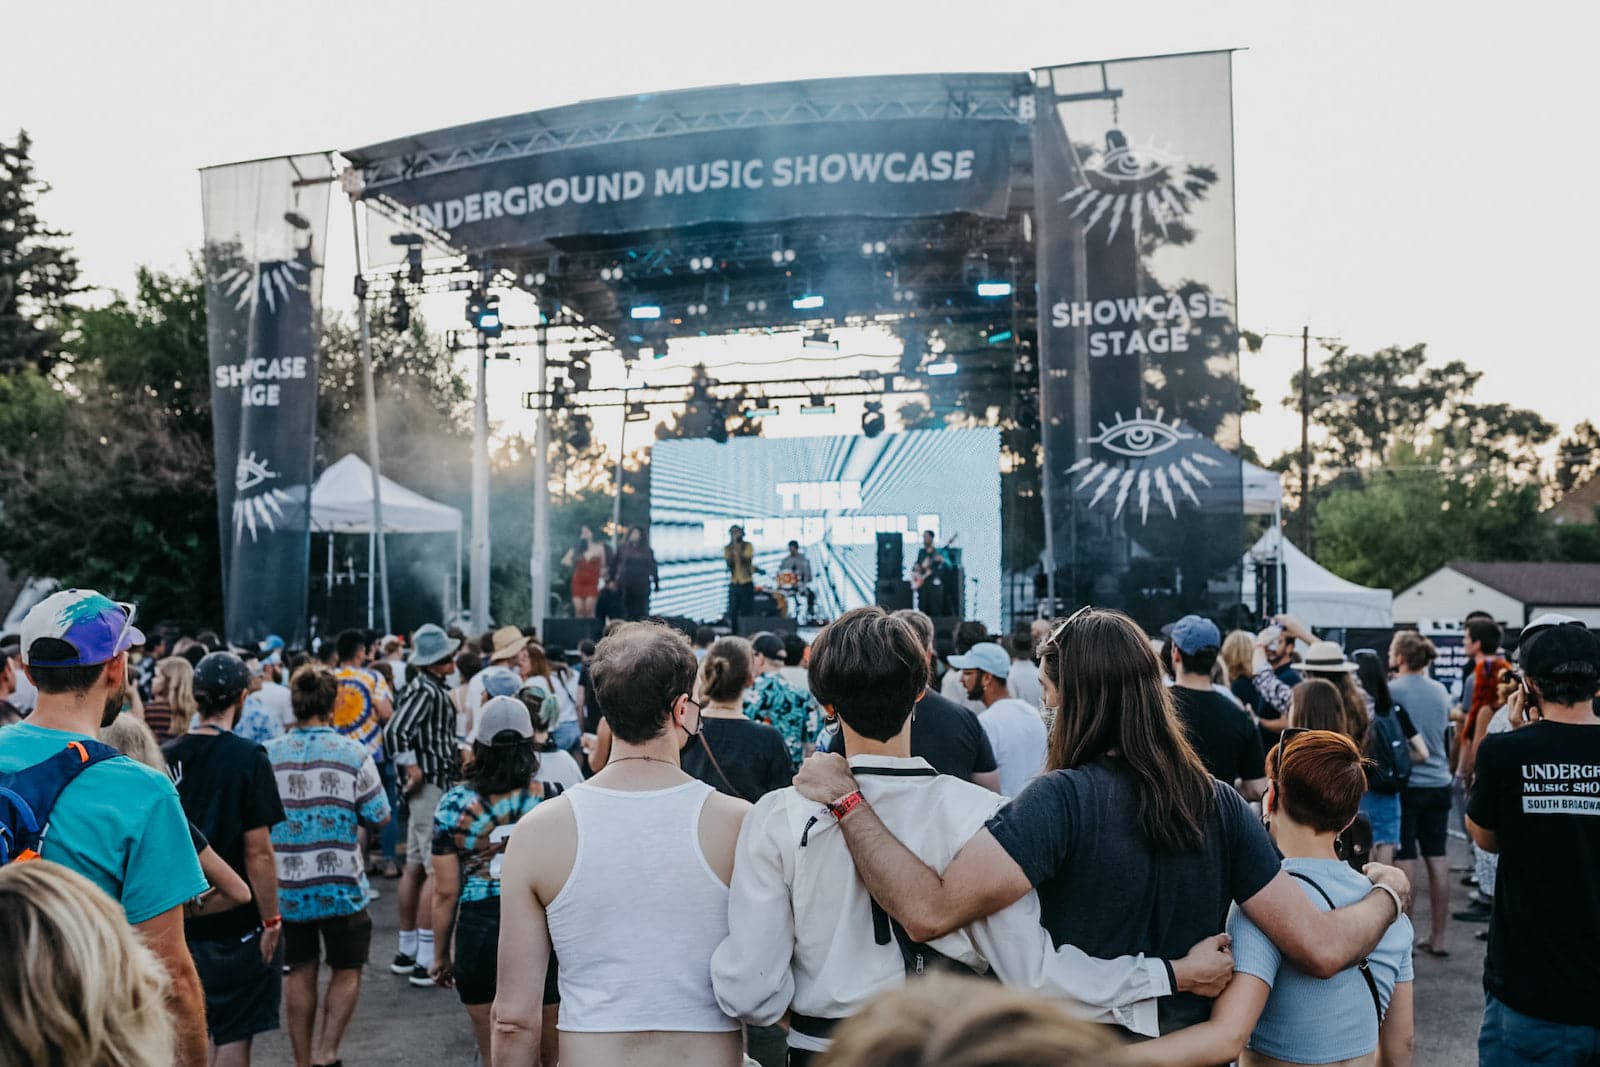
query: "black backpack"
1391, 755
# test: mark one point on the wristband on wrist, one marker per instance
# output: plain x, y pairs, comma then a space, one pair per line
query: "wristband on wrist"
1398, 909
845, 804
1172, 976
272, 923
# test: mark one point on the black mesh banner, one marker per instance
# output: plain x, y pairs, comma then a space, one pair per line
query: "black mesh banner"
1133, 166
265, 226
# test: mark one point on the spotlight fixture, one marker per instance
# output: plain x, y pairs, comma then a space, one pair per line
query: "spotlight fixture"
942, 369
872, 423
612, 273
637, 412
645, 311
994, 289
999, 338
808, 302
817, 405
581, 436
760, 412
399, 310
414, 264
579, 372
534, 279
483, 311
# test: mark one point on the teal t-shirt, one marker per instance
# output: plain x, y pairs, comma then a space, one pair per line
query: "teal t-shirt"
119, 824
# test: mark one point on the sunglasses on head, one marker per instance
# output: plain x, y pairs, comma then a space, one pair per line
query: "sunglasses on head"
1061, 627
1289, 734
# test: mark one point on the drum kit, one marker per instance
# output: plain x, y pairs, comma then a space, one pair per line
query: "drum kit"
776, 599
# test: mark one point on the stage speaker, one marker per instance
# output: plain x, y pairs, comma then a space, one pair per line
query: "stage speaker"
894, 594
568, 632
750, 625
891, 557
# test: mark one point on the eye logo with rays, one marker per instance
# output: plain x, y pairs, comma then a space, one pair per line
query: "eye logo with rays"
260, 509
1122, 183
1138, 441
271, 281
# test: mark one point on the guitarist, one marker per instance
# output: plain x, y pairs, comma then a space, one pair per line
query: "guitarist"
929, 577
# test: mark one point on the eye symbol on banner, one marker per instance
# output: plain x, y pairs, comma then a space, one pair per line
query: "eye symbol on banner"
274, 280
1122, 182
1139, 439
261, 509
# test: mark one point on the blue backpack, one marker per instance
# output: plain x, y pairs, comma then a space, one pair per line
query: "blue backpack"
28, 796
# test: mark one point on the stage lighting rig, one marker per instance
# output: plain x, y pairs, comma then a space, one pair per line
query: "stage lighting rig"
872, 423
582, 435
399, 310
579, 371
483, 311
820, 339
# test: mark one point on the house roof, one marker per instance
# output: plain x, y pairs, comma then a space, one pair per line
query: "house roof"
1577, 507
1548, 584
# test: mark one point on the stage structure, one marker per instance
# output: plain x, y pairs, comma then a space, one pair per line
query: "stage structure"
950, 209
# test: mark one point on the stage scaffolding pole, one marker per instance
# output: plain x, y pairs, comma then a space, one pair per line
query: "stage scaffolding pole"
539, 561
372, 429
480, 487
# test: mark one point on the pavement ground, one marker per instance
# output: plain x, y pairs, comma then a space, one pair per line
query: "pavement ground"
396, 1023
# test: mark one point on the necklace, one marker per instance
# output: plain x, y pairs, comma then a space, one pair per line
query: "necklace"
625, 759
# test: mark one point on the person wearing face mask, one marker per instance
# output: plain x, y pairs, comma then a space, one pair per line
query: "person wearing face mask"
123, 828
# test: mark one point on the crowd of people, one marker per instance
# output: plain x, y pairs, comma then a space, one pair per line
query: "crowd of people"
1084, 844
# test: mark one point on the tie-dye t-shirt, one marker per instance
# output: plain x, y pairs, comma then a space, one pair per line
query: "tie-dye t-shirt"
474, 829
353, 712
329, 786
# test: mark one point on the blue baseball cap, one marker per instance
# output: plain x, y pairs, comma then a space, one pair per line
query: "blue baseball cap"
1192, 633
985, 656
500, 681
77, 628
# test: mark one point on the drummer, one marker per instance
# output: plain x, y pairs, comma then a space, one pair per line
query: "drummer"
795, 563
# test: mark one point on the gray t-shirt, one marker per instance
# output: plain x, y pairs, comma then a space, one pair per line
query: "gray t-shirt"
1428, 704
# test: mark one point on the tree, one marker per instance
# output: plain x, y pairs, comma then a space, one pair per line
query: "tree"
38, 273
1578, 456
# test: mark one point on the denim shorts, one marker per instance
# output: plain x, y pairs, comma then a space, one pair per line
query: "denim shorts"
1383, 811
1509, 1038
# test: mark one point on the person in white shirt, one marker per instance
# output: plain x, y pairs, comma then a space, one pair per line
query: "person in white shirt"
805, 937
1023, 681
273, 694
1016, 732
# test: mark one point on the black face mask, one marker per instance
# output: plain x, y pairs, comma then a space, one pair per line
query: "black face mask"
113, 708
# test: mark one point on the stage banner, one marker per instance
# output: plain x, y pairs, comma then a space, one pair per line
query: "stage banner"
1133, 172
891, 168
265, 230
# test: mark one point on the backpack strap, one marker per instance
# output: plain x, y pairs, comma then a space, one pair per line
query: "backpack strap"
28, 796
1366, 971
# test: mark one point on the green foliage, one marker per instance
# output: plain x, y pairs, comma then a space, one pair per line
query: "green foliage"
1578, 456
38, 274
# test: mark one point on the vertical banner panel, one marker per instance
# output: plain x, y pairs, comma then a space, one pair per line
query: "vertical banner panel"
1138, 330
265, 232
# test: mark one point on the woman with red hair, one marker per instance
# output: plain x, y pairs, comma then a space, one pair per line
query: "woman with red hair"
1272, 1013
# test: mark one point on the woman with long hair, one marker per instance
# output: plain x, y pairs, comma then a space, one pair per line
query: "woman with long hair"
1272, 1013
1125, 811
1381, 803
732, 753
1317, 704
561, 683
1237, 649
472, 824
172, 702
78, 986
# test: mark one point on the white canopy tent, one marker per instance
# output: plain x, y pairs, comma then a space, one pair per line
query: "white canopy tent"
1263, 490
341, 503
1315, 596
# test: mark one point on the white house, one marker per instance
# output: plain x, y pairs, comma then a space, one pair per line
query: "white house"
1512, 592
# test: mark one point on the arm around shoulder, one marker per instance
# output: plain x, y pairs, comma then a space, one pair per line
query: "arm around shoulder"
1319, 943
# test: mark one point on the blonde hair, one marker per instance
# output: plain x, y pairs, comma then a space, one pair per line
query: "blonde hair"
79, 986
945, 1021
175, 681
1237, 649
133, 738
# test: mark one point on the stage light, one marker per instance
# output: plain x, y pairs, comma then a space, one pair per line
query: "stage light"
749, 305
777, 257
637, 412
658, 350
761, 305
820, 339
993, 289
414, 264
788, 255
759, 413
872, 423
399, 310
809, 302
818, 405
579, 371
1000, 338
611, 274
581, 436
942, 370
644, 311
483, 311
880, 247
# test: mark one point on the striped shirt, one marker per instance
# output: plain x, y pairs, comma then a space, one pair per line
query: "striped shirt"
425, 725
355, 713
329, 786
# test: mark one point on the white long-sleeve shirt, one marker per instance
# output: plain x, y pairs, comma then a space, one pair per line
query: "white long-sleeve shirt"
800, 931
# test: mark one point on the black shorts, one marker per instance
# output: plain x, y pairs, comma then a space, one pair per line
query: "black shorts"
1424, 820
346, 940
477, 955
242, 989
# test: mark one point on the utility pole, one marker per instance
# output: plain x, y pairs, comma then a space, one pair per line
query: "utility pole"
480, 486
539, 563
374, 465
1305, 438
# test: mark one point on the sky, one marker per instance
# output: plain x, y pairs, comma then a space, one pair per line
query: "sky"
1405, 172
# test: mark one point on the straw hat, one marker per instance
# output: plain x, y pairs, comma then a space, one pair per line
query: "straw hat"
1325, 657
508, 641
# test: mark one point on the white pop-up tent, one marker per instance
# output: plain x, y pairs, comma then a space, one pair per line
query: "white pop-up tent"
1317, 597
341, 503
1263, 490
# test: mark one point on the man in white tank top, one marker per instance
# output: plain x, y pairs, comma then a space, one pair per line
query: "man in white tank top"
626, 878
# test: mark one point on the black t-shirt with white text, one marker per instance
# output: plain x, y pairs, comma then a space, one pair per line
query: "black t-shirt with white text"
1538, 790
1104, 888
1223, 736
227, 787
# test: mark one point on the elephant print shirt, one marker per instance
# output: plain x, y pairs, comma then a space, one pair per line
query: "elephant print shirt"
329, 787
